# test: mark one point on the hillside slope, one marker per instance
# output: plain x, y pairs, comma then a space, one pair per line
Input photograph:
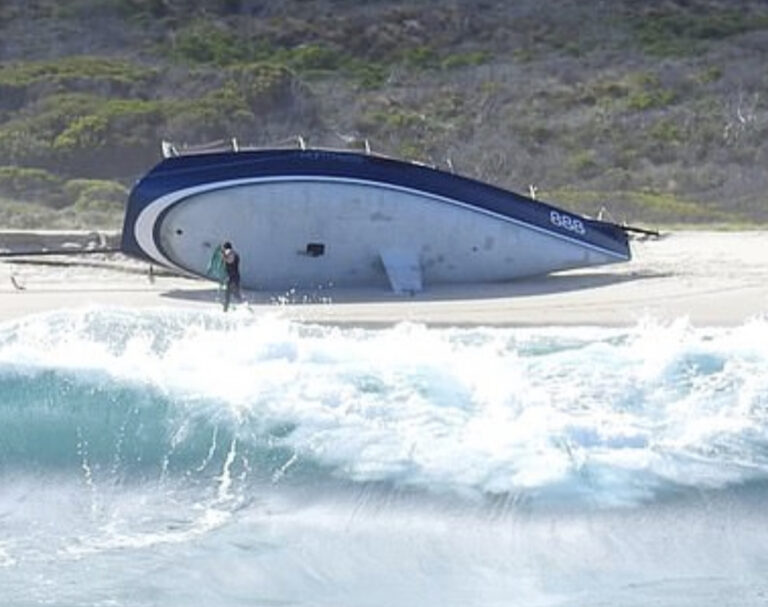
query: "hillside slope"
656, 111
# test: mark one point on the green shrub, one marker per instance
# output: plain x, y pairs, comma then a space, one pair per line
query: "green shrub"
679, 33
264, 85
420, 57
392, 119
85, 74
85, 132
31, 184
123, 130
412, 150
667, 131
458, 60
28, 140
76, 67
645, 92
26, 215
312, 57
713, 73
96, 194
583, 163
143, 10
366, 74
208, 42
72, 218
649, 99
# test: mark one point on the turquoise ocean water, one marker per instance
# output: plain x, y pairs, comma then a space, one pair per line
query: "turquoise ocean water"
179, 458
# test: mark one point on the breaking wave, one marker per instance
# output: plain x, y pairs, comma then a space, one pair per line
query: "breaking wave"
591, 416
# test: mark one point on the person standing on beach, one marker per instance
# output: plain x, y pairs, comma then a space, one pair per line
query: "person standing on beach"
232, 265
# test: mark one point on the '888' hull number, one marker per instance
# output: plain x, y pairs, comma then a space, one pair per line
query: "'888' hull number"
561, 220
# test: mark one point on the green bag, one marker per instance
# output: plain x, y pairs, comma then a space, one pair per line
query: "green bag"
216, 267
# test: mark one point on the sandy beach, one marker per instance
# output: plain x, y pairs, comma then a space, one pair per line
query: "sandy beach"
711, 278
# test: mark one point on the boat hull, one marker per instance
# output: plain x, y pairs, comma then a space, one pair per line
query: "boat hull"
308, 219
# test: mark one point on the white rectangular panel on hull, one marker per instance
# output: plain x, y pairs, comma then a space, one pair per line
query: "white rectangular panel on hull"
403, 270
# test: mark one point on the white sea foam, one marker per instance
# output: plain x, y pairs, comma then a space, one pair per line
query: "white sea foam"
610, 416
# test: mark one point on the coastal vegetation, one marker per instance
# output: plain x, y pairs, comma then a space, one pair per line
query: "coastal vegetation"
652, 112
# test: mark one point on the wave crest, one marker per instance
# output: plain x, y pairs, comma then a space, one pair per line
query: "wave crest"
603, 415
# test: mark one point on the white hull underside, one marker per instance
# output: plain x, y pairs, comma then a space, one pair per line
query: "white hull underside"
361, 234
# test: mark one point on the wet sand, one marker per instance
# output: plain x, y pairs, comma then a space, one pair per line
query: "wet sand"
710, 278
